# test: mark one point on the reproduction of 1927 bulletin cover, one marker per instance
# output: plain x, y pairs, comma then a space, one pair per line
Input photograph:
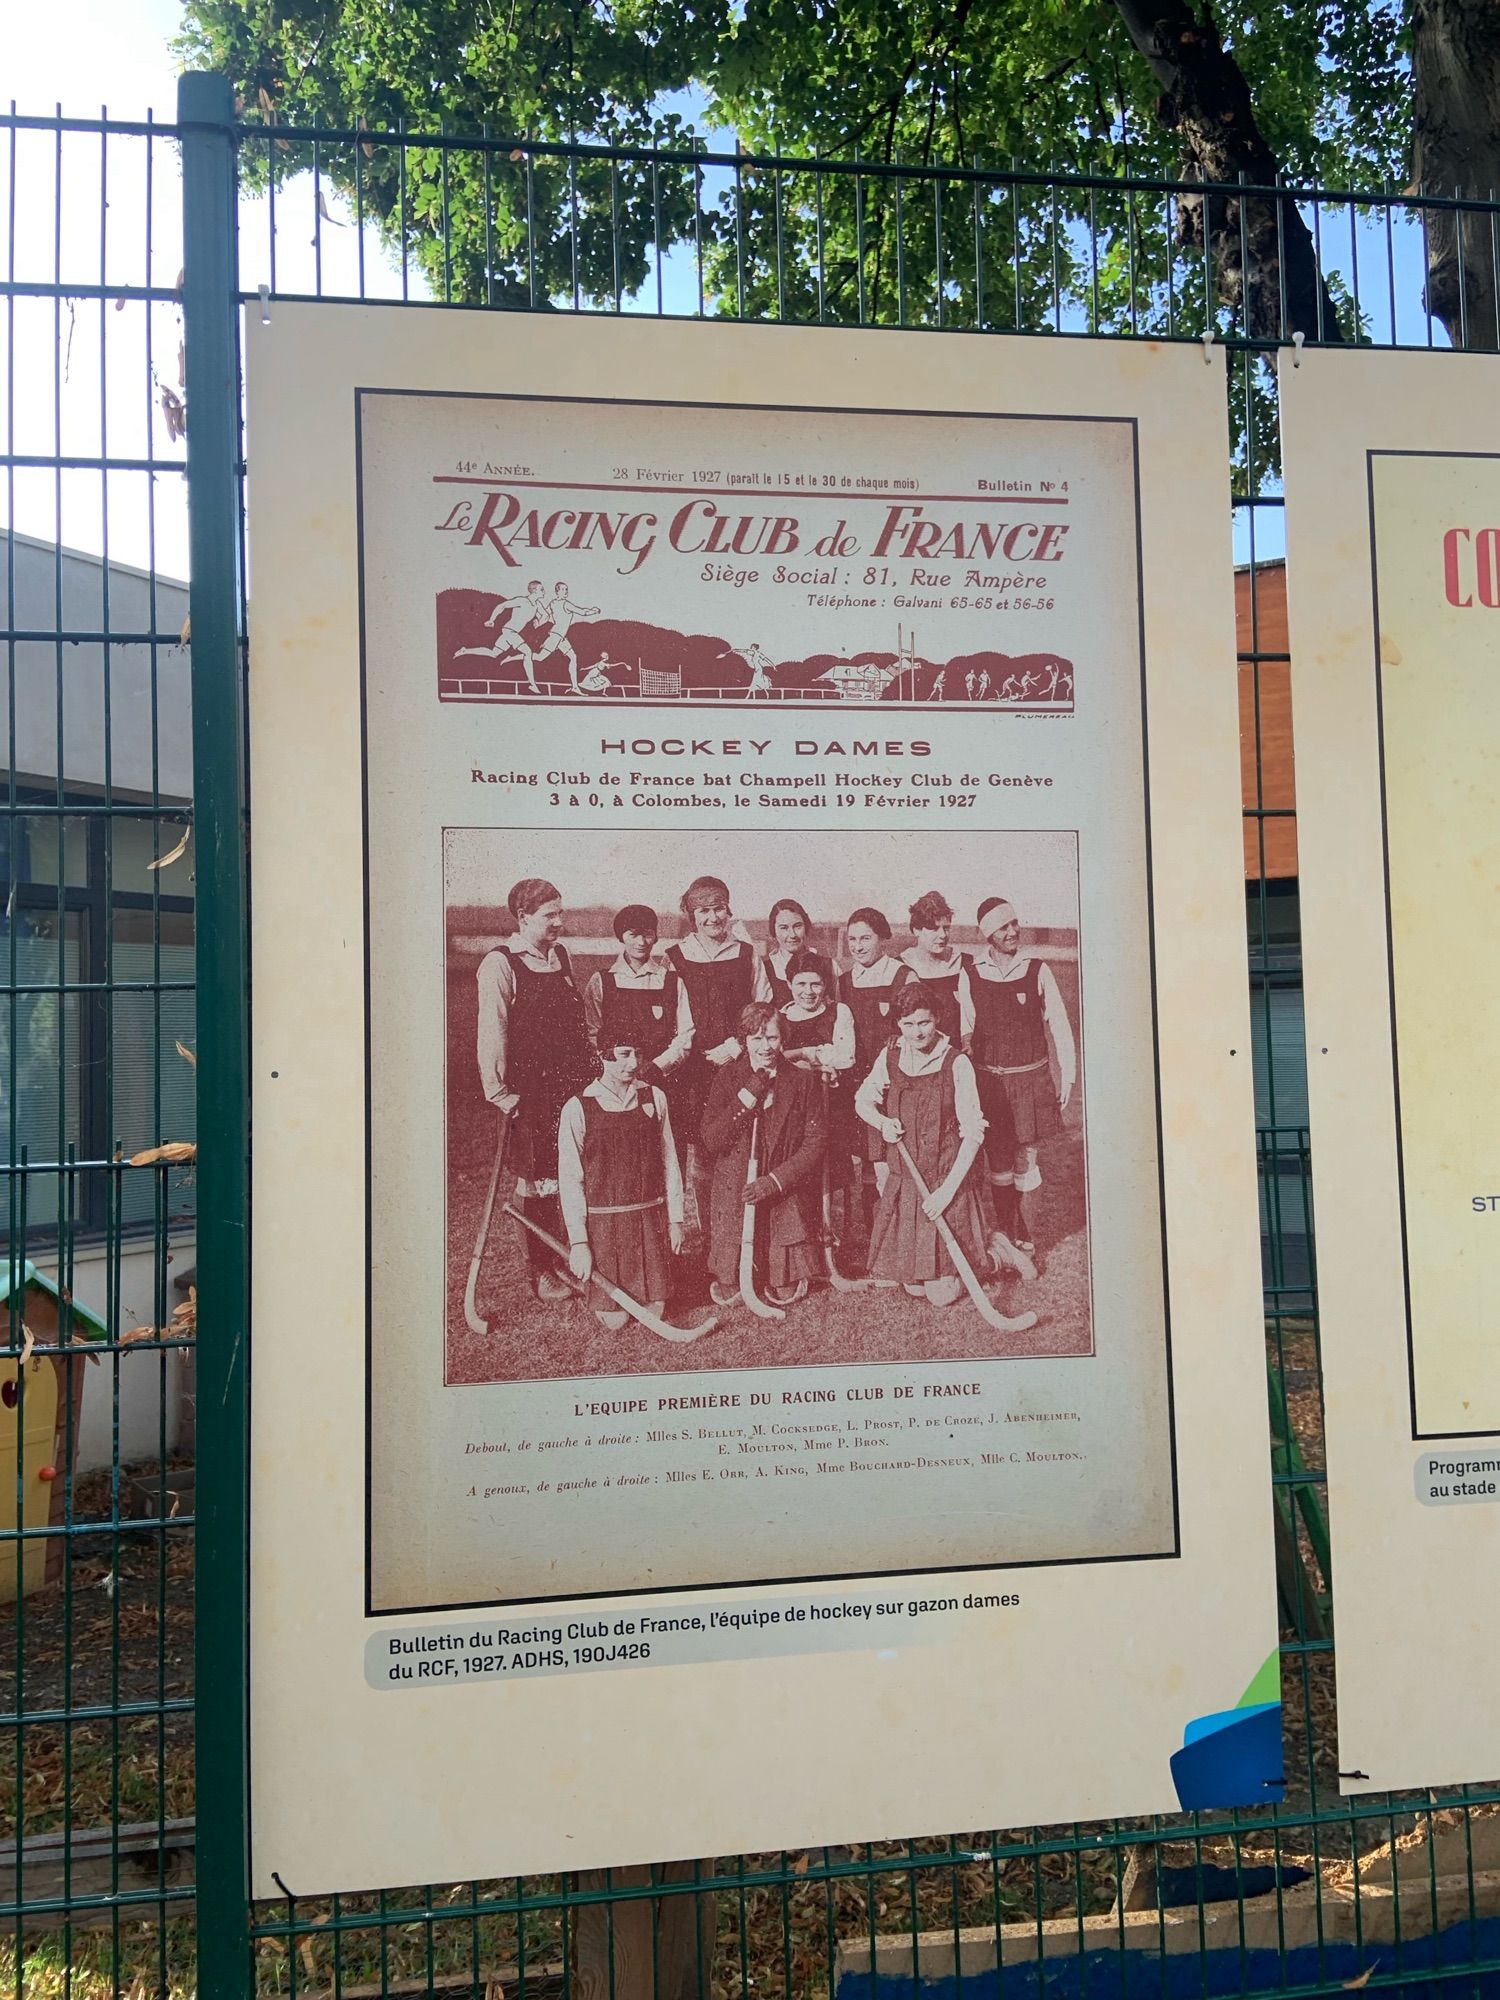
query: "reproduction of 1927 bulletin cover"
761, 1034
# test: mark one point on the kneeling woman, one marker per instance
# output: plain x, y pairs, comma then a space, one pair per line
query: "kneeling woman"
619, 1182
921, 1092
760, 1096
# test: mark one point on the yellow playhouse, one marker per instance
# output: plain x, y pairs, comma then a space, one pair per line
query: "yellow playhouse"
41, 1394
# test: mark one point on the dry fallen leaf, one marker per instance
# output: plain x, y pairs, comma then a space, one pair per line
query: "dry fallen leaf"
326, 212
309, 1958
518, 154
186, 1054
166, 860
27, 1343
173, 1153
1364, 1978
174, 413
185, 636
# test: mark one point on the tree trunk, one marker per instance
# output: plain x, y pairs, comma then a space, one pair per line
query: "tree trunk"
1456, 150
1265, 261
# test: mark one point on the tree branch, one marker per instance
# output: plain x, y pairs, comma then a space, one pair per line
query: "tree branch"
1264, 256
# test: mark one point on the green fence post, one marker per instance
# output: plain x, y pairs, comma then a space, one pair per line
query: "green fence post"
205, 111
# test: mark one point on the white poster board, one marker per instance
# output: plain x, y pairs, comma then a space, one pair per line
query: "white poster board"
1393, 533
557, 619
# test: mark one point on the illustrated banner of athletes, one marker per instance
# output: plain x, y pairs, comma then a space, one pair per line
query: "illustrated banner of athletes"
605, 561
784, 1129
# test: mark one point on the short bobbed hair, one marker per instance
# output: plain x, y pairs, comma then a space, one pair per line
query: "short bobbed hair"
636, 917
785, 903
806, 961
531, 895
914, 999
874, 918
928, 911
755, 1017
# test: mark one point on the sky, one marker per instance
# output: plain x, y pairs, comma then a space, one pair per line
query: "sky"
92, 380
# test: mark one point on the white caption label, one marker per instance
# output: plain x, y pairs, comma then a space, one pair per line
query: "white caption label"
751, 1628
1454, 1478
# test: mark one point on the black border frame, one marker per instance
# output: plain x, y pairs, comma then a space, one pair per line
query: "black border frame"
628, 1592
1418, 1435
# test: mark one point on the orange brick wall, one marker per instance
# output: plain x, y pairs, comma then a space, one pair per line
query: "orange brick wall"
1266, 776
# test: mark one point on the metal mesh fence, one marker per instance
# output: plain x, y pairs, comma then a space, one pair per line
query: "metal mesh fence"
106, 1836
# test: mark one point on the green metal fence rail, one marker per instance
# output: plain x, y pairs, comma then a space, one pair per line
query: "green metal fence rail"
130, 248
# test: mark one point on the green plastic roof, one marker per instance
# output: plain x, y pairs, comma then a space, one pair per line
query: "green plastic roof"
24, 1277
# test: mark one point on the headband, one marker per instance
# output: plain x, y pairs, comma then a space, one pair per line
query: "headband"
996, 918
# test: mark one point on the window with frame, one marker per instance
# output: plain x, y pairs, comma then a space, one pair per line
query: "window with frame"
96, 969
1279, 1057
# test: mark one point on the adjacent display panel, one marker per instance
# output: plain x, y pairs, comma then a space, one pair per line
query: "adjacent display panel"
1393, 533
683, 1360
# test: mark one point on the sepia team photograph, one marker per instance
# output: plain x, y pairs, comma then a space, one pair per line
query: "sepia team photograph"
761, 1100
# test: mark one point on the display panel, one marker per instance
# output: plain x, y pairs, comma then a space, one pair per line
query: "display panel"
1393, 496
779, 1069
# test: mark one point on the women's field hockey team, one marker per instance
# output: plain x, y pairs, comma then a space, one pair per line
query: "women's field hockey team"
712, 1078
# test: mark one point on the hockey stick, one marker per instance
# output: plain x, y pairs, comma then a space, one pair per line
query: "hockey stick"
1012, 1256
836, 1277
663, 1328
987, 1311
748, 1292
471, 1308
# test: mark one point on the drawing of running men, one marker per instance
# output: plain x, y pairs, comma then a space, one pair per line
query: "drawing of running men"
559, 614
519, 612
984, 684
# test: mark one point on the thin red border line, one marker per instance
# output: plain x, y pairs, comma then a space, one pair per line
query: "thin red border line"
752, 492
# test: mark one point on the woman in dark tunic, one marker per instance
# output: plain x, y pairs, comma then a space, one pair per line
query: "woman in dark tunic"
943, 971
817, 1033
868, 989
619, 1182
721, 975
922, 1093
534, 1054
789, 927
640, 999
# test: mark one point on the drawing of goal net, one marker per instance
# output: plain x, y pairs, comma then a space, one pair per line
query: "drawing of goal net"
658, 681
